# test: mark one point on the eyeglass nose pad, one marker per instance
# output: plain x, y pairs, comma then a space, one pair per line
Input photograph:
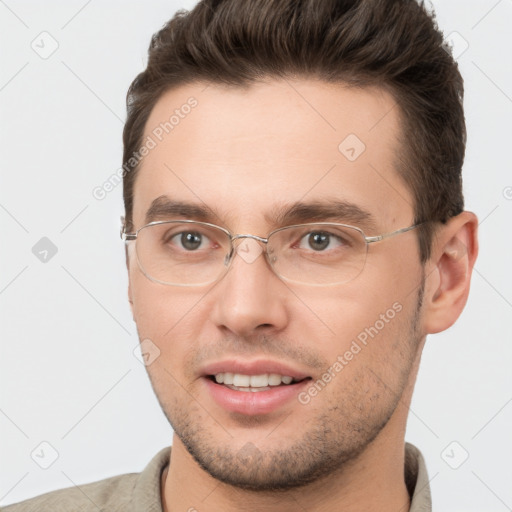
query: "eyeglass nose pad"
271, 254
229, 256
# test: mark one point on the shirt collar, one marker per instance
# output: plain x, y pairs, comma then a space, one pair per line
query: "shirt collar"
416, 479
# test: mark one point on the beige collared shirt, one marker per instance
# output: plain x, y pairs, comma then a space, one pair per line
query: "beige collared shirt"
140, 492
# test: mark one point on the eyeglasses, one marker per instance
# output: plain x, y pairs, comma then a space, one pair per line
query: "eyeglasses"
190, 253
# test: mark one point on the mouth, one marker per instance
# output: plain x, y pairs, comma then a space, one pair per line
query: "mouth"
253, 388
254, 383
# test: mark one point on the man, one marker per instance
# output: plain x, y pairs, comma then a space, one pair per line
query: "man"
294, 229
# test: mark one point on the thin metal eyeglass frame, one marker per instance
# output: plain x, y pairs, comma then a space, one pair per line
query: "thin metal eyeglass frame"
127, 237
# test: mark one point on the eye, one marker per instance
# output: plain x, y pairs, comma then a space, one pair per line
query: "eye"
190, 240
320, 241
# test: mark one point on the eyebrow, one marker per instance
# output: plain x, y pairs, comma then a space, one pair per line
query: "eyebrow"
334, 210
164, 208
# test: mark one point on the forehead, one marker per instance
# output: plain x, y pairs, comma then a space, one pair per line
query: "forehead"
243, 152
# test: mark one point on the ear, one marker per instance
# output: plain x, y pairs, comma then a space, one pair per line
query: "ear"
448, 272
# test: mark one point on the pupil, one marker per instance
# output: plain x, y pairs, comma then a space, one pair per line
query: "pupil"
191, 240
318, 241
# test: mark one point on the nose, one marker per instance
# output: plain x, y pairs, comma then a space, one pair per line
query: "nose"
250, 298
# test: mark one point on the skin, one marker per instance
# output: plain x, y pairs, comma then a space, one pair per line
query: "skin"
244, 153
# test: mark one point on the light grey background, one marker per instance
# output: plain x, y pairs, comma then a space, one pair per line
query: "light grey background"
69, 376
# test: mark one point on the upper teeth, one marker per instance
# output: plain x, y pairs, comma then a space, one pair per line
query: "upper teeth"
255, 381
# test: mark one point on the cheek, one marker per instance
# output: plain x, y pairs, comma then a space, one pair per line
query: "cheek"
160, 310
369, 353
367, 320
168, 320
342, 313
173, 319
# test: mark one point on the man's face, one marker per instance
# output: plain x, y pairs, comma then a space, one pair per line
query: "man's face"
247, 155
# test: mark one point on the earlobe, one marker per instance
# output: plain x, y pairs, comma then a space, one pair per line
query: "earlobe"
449, 273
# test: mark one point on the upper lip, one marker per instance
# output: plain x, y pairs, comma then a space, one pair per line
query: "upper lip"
255, 367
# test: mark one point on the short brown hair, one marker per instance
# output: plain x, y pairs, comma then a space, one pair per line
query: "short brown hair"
393, 44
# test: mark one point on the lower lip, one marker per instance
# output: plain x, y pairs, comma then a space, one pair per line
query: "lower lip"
253, 402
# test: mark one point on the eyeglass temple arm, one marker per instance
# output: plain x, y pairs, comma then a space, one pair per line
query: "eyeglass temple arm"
378, 238
123, 234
